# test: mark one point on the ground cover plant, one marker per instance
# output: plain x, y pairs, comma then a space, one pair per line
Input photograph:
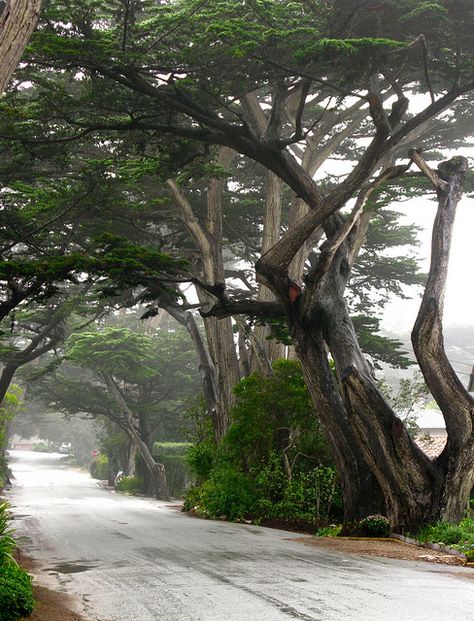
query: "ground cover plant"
16, 593
459, 536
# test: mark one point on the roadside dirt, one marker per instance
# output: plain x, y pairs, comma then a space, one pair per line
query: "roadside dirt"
50, 605
387, 549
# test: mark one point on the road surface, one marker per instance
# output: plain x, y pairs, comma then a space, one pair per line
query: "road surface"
136, 559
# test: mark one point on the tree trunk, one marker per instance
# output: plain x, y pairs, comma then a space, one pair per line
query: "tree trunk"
131, 465
361, 492
219, 334
156, 470
362, 428
416, 490
17, 22
206, 366
265, 351
457, 460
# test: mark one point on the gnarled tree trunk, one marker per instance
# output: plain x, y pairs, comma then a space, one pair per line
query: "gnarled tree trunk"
364, 432
131, 425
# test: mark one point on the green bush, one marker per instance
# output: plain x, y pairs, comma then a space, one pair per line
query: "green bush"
459, 536
227, 493
99, 467
41, 447
130, 485
200, 458
374, 526
7, 543
16, 593
3, 471
173, 455
274, 462
333, 530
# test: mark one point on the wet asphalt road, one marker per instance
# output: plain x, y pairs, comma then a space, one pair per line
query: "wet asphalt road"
135, 559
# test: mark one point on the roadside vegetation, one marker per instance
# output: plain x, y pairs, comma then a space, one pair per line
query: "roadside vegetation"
16, 592
273, 465
459, 536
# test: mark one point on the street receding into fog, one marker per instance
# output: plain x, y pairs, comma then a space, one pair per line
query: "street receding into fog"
137, 559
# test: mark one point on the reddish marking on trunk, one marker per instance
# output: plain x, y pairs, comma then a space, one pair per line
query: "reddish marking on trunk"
294, 291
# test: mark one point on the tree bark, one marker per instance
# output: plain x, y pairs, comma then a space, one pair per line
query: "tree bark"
457, 460
265, 350
219, 334
156, 470
206, 366
17, 22
361, 492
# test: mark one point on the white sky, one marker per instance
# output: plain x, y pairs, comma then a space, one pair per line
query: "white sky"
400, 315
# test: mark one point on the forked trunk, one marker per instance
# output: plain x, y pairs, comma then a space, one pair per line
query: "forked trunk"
362, 428
361, 492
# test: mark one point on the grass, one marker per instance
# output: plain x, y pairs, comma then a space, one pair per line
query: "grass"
458, 536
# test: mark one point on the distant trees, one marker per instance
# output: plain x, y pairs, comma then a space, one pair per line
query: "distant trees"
136, 381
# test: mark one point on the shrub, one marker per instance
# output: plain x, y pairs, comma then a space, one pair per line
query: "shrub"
16, 593
99, 467
374, 526
274, 462
41, 447
459, 536
332, 530
130, 485
7, 543
173, 455
200, 458
227, 493
3, 471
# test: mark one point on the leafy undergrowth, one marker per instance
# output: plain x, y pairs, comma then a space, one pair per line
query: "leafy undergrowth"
273, 467
458, 536
376, 526
16, 592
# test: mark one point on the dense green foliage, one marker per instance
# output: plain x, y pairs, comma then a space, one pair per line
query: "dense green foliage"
458, 536
16, 593
99, 467
274, 462
173, 456
9, 407
7, 543
130, 485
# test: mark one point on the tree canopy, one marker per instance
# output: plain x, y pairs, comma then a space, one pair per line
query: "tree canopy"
166, 94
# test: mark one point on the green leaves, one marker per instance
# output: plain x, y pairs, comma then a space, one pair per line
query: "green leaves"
114, 351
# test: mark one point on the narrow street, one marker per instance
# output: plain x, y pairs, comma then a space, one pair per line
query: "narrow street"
136, 559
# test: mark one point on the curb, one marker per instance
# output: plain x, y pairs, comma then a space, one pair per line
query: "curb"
432, 546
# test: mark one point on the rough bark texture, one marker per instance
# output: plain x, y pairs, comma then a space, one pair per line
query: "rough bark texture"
219, 334
364, 432
17, 22
457, 460
361, 492
266, 350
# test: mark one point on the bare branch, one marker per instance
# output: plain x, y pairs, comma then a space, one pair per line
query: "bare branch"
438, 183
253, 308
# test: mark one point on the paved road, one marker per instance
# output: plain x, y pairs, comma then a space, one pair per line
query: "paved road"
134, 559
